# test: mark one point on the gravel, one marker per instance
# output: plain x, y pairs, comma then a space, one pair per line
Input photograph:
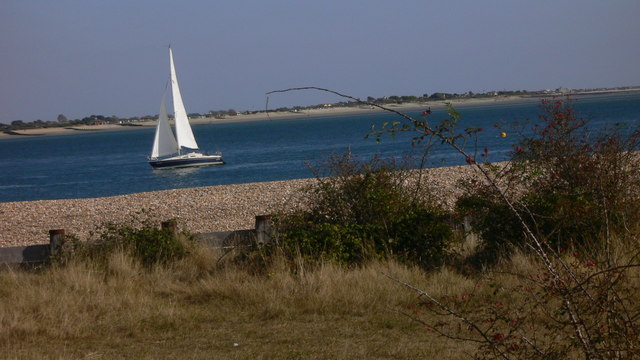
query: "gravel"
198, 210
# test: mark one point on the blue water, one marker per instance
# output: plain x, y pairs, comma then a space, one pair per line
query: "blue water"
111, 163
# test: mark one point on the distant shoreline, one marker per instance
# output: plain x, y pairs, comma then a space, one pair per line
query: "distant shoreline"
330, 111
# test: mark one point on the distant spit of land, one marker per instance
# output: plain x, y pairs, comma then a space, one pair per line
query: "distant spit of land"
329, 110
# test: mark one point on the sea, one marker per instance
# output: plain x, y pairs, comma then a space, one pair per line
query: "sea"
98, 164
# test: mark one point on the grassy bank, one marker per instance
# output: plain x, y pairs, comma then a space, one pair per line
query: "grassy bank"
200, 308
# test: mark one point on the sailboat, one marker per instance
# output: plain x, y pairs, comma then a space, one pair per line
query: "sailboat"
181, 150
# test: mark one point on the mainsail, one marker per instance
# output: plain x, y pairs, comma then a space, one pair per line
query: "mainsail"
183, 129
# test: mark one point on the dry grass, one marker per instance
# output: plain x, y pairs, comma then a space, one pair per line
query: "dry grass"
197, 309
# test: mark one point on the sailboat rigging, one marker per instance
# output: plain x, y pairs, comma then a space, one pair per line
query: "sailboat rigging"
181, 150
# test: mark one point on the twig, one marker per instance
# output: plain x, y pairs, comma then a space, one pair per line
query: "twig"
451, 312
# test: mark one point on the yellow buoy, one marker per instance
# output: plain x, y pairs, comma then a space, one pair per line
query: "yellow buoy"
503, 134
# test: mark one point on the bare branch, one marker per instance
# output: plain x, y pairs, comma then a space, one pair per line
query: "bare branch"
452, 312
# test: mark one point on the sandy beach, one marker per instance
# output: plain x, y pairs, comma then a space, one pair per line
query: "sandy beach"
271, 115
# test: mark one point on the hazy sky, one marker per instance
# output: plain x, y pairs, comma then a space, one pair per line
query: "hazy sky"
109, 57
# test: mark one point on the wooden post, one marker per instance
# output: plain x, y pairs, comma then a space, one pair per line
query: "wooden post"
56, 240
263, 229
467, 223
170, 226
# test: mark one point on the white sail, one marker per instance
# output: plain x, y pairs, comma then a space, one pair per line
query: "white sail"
164, 142
184, 134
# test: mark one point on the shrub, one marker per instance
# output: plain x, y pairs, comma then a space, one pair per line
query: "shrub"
573, 188
147, 243
363, 210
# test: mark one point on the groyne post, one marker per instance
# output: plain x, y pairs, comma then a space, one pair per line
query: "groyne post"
263, 229
56, 240
170, 226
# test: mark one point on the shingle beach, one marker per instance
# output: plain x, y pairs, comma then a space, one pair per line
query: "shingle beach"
198, 210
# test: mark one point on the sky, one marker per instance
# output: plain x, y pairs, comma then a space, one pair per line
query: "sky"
109, 57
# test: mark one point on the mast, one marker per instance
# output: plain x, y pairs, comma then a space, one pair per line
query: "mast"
183, 129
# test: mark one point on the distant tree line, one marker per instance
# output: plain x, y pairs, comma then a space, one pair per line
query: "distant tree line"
63, 121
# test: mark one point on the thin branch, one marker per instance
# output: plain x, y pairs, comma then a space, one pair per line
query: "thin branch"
537, 349
437, 331
451, 312
344, 96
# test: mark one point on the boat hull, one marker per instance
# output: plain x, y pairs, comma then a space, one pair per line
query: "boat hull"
187, 160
